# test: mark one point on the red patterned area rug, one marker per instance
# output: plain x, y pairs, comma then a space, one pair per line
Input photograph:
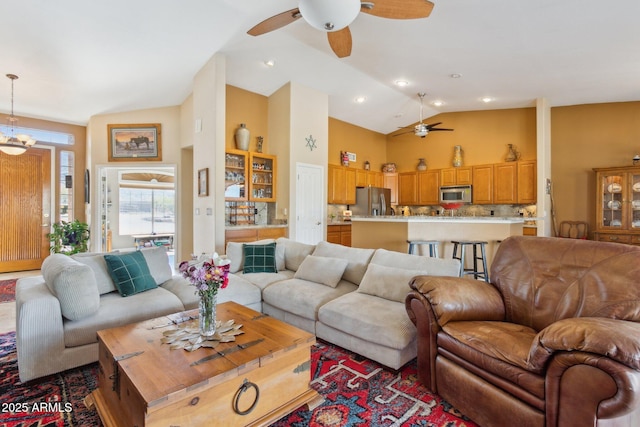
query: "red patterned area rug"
7, 290
357, 392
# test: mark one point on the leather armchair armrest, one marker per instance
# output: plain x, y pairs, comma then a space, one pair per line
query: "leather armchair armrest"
616, 339
457, 299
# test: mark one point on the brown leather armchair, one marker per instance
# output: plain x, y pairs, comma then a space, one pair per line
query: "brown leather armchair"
553, 340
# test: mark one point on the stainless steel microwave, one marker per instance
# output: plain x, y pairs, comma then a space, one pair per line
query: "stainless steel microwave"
455, 194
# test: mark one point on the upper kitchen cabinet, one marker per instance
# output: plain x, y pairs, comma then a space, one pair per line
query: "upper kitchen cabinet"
456, 176
618, 205
263, 169
527, 182
505, 183
429, 187
367, 178
235, 174
341, 185
408, 188
482, 184
390, 181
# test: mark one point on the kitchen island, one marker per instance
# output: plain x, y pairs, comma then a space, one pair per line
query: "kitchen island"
392, 232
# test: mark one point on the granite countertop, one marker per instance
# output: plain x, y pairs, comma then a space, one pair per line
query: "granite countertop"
424, 218
254, 226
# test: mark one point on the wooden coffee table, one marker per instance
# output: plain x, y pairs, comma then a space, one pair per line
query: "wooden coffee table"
256, 380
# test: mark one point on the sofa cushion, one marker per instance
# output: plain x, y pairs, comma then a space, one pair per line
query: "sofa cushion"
130, 273
96, 262
370, 318
388, 282
433, 266
260, 258
358, 259
294, 252
262, 280
74, 284
158, 263
118, 311
325, 270
303, 298
235, 255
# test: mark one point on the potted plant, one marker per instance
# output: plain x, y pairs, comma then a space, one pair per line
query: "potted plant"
69, 237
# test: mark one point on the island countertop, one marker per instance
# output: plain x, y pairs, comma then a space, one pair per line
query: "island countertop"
442, 218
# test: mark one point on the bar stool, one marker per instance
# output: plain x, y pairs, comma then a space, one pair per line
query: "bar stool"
433, 246
478, 246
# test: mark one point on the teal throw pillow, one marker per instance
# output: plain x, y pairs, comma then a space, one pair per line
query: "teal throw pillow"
130, 273
259, 258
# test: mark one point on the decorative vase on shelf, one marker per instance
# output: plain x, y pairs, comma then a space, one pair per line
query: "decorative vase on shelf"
422, 165
242, 137
207, 314
512, 155
457, 156
367, 165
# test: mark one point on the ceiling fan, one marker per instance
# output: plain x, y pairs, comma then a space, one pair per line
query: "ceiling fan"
334, 17
422, 129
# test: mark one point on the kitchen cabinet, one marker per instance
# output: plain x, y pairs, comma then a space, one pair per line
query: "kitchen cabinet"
618, 205
245, 235
342, 185
505, 183
429, 187
366, 178
235, 174
390, 181
339, 233
408, 188
527, 182
482, 184
262, 187
456, 176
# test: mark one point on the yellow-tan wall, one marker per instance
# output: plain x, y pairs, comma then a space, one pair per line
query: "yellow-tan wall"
366, 144
249, 108
78, 148
584, 137
483, 135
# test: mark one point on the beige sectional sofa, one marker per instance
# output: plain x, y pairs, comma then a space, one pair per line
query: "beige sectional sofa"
348, 296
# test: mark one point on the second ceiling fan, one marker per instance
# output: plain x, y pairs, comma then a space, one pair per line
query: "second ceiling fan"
334, 17
422, 129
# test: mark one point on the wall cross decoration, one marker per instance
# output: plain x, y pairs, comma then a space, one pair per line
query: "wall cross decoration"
311, 143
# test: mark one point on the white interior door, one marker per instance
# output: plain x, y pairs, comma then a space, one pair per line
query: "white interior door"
310, 203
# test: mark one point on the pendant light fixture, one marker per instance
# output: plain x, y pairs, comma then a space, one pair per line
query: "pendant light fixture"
14, 144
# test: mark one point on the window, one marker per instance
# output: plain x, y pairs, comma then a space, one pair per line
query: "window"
146, 210
66, 186
40, 135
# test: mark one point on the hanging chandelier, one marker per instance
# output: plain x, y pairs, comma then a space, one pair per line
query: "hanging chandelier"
14, 144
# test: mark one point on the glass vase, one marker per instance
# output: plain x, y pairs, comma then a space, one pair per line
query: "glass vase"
457, 156
207, 314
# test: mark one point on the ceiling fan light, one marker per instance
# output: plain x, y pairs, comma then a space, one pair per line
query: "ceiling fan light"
329, 15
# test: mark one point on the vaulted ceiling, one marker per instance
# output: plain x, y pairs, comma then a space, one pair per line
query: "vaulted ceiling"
78, 58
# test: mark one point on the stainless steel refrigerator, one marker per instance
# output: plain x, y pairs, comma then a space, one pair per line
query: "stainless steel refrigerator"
372, 201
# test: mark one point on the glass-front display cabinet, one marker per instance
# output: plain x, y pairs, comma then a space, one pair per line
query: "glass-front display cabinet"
235, 174
263, 177
618, 204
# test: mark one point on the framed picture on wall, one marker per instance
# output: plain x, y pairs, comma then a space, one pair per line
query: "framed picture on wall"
203, 182
135, 142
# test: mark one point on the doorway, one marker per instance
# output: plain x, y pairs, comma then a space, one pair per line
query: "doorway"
25, 209
136, 208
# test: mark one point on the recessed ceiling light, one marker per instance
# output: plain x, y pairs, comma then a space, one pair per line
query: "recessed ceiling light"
455, 75
361, 99
438, 103
486, 99
270, 63
402, 83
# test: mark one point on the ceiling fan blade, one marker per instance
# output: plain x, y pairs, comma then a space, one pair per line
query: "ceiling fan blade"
403, 133
434, 125
434, 129
398, 9
275, 22
340, 42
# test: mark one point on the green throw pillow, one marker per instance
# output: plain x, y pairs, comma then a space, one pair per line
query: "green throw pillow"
130, 273
259, 258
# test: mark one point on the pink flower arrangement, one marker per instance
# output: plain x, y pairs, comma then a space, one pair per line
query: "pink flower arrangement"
207, 276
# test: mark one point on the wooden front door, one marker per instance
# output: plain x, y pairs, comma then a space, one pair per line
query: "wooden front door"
25, 204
